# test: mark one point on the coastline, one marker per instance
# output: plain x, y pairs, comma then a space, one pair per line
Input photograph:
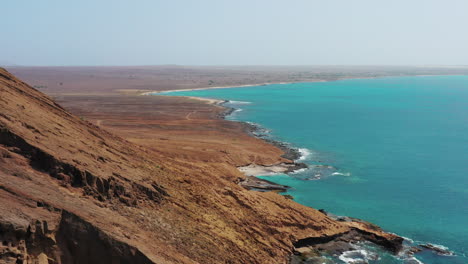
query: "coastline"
222, 87
290, 153
339, 245
255, 130
317, 248
251, 171
155, 92
232, 182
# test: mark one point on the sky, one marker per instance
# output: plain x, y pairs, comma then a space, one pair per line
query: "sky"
234, 32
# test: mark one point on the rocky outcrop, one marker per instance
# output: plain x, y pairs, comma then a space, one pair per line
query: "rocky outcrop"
439, 250
97, 187
254, 183
73, 240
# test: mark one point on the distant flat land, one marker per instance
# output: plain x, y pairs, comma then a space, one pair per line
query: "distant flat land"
134, 79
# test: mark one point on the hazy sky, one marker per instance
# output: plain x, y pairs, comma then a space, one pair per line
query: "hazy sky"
234, 32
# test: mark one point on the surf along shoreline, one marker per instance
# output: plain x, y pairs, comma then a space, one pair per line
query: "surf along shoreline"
252, 170
361, 231
294, 155
255, 130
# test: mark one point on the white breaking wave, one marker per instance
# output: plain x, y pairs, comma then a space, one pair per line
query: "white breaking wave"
238, 102
407, 239
298, 171
412, 260
445, 251
305, 154
341, 174
357, 256
440, 247
252, 123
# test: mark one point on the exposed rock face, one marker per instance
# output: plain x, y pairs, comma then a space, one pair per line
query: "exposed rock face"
254, 183
73, 193
63, 239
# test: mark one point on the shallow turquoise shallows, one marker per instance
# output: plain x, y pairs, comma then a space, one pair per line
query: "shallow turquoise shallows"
398, 148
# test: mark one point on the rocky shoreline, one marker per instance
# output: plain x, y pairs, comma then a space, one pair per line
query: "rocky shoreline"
263, 170
252, 170
349, 245
290, 153
257, 131
309, 250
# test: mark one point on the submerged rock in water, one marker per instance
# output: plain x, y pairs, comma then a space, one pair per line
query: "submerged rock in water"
439, 250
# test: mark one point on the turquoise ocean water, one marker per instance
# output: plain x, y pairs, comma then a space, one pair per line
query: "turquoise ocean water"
398, 148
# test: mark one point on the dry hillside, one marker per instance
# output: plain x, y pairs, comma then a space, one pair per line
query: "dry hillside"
72, 192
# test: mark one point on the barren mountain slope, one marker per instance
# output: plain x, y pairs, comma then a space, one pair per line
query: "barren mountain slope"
73, 193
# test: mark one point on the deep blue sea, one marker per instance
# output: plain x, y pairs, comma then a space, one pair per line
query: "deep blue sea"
395, 151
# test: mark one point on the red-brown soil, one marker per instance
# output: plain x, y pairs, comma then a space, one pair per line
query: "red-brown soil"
141, 179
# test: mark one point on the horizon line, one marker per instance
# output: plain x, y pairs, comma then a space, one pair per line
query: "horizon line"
239, 65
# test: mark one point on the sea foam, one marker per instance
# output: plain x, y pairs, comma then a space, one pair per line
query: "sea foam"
357, 256
412, 260
305, 154
299, 171
238, 102
341, 174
